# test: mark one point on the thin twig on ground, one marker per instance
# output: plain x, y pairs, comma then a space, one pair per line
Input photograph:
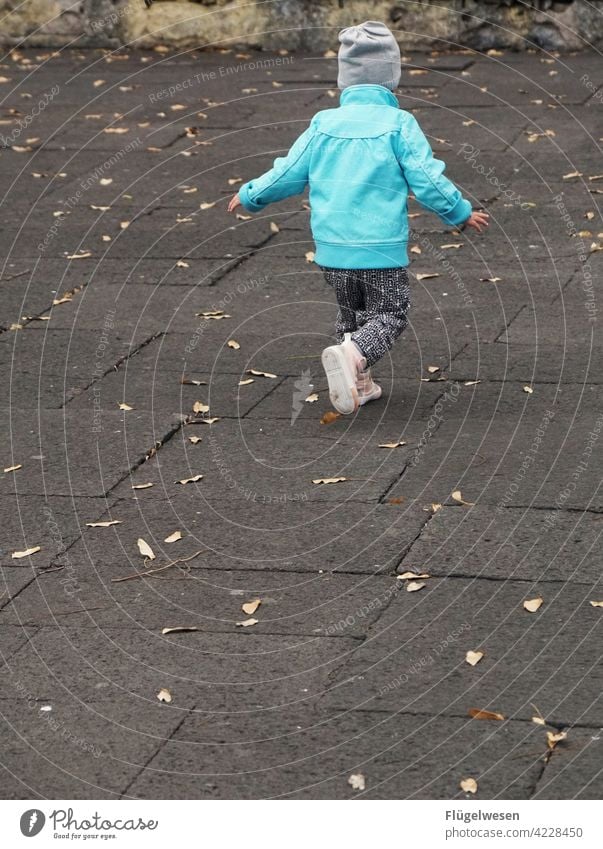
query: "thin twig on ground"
160, 568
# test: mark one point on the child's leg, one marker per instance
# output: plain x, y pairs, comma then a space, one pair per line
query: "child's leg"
349, 292
387, 297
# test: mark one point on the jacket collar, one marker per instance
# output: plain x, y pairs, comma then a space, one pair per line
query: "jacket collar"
376, 95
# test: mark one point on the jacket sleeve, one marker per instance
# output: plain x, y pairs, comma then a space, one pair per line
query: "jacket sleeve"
288, 176
425, 176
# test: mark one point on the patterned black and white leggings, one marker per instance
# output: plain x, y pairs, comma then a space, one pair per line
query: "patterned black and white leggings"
373, 306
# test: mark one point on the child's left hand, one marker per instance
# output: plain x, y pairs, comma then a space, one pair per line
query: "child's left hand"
234, 202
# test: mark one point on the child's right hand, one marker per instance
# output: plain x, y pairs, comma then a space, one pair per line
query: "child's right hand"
234, 202
478, 220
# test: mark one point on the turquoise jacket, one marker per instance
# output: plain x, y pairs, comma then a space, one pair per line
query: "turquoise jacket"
361, 160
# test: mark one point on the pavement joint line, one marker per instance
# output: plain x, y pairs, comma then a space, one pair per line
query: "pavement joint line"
433, 433
410, 545
162, 744
112, 368
4, 602
148, 455
272, 388
509, 323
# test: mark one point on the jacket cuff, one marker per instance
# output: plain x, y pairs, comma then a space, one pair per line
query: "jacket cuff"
249, 204
459, 213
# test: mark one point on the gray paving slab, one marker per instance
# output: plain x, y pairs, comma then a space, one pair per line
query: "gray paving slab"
528, 362
64, 440
76, 749
414, 657
401, 757
52, 523
274, 460
509, 544
500, 460
226, 674
207, 600
12, 640
256, 533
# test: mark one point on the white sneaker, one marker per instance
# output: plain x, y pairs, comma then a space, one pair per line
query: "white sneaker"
342, 364
368, 390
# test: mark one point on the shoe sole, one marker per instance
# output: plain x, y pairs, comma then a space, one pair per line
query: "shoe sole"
342, 385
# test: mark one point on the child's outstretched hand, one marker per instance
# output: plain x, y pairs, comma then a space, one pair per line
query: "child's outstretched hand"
478, 220
234, 202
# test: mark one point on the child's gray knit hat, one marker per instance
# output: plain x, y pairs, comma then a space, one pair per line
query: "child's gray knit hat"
369, 53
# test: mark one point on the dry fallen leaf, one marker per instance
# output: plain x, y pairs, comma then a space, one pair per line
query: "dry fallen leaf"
411, 576
433, 369
178, 629
124, 406
195, 439
490, 279
596, 603
552, 739
533, 604
17, 555
391, 444
164, 695
189, 381
328, 480
200, 407
471, 382
145, 549
232, 343
206, 205
473, 657
309, 256
477, 713
182, 264
399, 499
261, 373
427, 276
457, 496
469, 785
210, 420
251, 606
194, 479
528, 389
247, 623
414, 586
311, 398
82, 255
174, 537
329, 417
357, 781
274, 228
142, 485
538, 720
103, 524
13, 468
246, 382
453, 246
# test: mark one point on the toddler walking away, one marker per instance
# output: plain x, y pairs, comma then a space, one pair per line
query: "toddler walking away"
360, 161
